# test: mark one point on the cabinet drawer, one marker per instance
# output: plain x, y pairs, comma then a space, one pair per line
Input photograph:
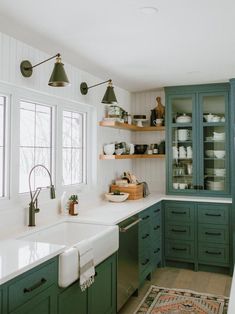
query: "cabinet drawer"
156, 212
213, 213
179, 211
145, 216
213, 254
30, 284
179, 231
145, 234
213, 233
145, 259
179, 250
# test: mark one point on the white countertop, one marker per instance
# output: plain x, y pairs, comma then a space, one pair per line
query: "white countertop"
17, 256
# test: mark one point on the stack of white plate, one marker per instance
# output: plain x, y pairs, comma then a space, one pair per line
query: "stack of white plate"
220, 172
215, 185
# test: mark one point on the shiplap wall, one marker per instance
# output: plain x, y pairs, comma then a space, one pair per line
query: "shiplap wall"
150, 170
12, 52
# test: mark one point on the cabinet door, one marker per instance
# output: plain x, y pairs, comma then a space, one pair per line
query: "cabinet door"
45, 302
181, 143
72, 300
214, 155
102, 294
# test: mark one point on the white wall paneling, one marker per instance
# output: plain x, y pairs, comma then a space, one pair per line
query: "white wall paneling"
12, 52
150, 170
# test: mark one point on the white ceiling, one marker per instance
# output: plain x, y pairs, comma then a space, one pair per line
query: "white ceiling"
186, 42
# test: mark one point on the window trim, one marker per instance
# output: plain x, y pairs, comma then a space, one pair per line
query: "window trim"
52, 138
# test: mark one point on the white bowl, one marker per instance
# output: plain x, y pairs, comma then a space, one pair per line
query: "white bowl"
183, 119
209, 153
219, 153
215, 185
116, 198
215, 119
109, 149
218, 136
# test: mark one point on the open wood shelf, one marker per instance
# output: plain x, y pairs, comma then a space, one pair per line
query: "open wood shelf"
111, 157
130, 127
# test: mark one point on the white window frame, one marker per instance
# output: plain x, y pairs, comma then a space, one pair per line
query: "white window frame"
6, 141
84, 147
16, 94
52, 137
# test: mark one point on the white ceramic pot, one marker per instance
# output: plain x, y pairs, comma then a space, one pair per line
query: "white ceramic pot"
109, 149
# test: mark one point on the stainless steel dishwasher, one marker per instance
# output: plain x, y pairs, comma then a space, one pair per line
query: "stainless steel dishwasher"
128, 270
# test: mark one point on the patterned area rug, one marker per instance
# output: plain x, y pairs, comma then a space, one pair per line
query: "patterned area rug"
159, 300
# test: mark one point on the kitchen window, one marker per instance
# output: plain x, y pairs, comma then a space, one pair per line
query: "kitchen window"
3, 101
74, 148
35, 144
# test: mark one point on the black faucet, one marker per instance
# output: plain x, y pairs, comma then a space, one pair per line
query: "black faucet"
33, 205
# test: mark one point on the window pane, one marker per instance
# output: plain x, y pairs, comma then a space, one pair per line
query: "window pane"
73, 147
1, 172
1, 124
43, 126
67, 132
35, 144
77, 130
26, 164
77, 166
67, 166
27, 125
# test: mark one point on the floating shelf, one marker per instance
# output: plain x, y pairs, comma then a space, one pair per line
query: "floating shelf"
111, 157
130, 127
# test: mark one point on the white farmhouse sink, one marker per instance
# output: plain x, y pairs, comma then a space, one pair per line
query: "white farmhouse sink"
104, 241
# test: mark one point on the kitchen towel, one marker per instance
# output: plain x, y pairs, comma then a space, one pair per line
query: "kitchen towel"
86, 264
145, 189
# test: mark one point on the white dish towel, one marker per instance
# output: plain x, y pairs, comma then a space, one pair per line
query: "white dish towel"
86, 264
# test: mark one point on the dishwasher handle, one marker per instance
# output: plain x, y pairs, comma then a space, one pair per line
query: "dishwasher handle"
124, 229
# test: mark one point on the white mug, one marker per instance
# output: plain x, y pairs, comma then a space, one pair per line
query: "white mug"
176, 185
183, 134
158, 122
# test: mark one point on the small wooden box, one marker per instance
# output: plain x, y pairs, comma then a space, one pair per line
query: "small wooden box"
135, 191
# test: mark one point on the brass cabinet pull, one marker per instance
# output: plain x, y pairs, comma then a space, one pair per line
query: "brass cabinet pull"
178, 213
145, 236
213, 215
213, 253
157, 227
35, 286
146, 217
175, 230
179, 249
145, 262
213, 233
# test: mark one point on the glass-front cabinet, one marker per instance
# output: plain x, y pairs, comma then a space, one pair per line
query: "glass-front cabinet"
198, 139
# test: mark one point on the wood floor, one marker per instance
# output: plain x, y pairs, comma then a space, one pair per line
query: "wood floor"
185, 279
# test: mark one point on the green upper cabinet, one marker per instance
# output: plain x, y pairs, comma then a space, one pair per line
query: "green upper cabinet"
198, 139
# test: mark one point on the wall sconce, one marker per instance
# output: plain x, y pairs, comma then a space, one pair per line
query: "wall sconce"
58, 77
109, 96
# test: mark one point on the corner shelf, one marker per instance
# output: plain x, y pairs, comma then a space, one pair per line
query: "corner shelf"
112, 157
130, 127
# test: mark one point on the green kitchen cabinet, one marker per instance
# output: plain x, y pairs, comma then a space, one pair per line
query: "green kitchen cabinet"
150, 240
44, 302
102, 294
35, 291
197, 235
72, 300
99, 298
198, 139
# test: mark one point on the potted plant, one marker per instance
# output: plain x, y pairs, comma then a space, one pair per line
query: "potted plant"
73, 204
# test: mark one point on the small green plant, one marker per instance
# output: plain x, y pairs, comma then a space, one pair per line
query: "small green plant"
73, 198
117, 192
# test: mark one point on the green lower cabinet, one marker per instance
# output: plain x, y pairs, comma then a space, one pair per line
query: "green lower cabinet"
150, 241
201, 237
44, 302
73, 301
99, 298
102, 294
